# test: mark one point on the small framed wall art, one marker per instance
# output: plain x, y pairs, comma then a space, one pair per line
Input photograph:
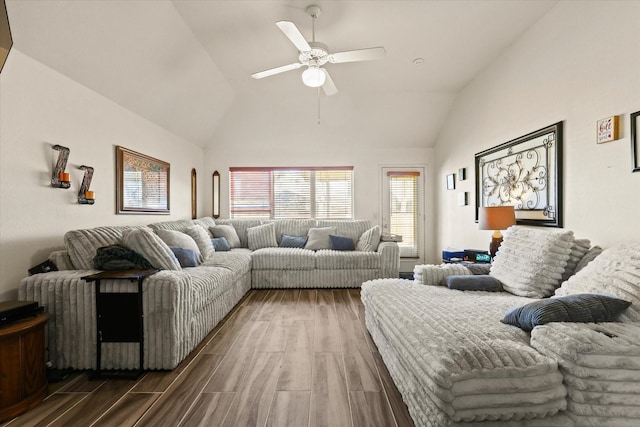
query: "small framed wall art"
451, 181
634, 118
607, 130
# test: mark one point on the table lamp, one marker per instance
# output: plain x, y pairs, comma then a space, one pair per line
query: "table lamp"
496, 218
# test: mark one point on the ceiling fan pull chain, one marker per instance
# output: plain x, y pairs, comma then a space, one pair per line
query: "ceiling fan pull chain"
318, 106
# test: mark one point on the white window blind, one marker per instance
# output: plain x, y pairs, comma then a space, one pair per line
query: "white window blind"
315, 192
403, 210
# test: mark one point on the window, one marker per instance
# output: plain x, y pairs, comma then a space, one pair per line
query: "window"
277, 193
403, 208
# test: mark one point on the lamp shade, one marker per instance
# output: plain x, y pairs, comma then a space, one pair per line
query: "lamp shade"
496, 217
313, 76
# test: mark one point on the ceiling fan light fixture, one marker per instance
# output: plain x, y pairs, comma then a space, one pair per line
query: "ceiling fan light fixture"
313, 76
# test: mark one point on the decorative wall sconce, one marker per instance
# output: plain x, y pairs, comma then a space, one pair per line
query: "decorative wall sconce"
86, 197
216, 195
60, 178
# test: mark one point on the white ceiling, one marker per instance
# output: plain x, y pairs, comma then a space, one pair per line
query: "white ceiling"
185, 64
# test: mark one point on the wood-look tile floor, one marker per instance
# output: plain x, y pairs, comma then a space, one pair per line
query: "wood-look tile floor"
280, 358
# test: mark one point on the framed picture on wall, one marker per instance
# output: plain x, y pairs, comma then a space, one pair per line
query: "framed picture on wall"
451, 181
526, 173
142, 183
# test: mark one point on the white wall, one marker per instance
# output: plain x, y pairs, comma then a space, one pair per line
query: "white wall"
580, 63
39, 108
322, 147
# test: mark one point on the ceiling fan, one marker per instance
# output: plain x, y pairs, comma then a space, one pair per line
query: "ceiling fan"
314, 55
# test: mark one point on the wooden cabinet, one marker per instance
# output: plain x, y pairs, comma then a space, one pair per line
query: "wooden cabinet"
23, 376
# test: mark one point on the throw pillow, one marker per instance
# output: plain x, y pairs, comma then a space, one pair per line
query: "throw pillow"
436, 275
262, 236
474, 283
583, 308
228, 232
318, 238
530, 262
199, 234
341, 243
220, 244
186, 257
293, 241
369, 240
149, 245
176, 239
116, 257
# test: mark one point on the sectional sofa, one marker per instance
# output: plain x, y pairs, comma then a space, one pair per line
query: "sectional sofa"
182, 304
464, 352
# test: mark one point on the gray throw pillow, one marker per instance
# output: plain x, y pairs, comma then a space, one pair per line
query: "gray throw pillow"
583, 308
341, 243
176, 239
318, 238
149, 245
186, 257
262, 236
200, 235
293, 241
474, 283
220, 244
228, 232
369, 240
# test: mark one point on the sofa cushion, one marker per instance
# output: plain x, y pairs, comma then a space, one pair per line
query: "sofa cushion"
615, 272
293, 241
318, 238
82, 245
341, 243
236, 260
186, 257
283, 259
176, 225
206, 222
220, 244
593, 252
228, 232
262, 236
583, 308
578, 250
369, 240
346, 260
149, 245
531, 261
177, 239
200, 235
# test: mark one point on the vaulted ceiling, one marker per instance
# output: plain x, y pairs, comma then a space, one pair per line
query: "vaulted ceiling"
185, 64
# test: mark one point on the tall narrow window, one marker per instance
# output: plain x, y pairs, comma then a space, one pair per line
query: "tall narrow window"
403, 208
320, 192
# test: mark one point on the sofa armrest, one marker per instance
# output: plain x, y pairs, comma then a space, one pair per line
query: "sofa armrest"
389, 259
71, 331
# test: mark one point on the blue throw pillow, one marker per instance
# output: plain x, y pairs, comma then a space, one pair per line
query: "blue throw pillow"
293, 241
341, 243
474, 283
220, 244
186, 257
584, 308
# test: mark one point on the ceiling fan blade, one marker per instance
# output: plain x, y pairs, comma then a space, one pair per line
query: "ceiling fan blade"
329, 87
291, 31
358, 55
277, 70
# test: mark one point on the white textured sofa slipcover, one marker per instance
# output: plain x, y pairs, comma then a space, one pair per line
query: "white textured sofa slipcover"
455, 363
182, 306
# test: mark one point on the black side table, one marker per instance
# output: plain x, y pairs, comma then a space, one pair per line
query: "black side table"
118, 312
